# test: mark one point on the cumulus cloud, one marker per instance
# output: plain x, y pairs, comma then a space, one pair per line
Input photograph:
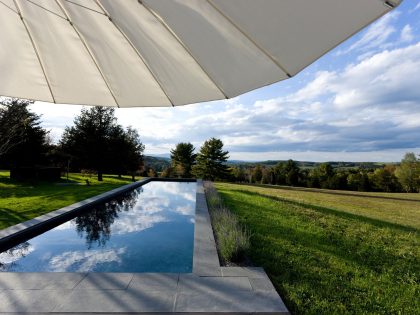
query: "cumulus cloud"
417, 7
407, 34
9, 259
185, 210
86, 260
386, 79
370, 105
375, 36
155, 204
135, 222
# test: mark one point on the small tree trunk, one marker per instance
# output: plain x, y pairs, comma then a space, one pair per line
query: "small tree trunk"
99, 176
133, 177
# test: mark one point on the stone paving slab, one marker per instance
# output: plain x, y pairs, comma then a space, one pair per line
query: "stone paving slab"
206, 261
235, 301
30, 300
210, 289
148, 301
251, 272
194, 284
105, 281
154, 281
39, 281
261, 284
91, 301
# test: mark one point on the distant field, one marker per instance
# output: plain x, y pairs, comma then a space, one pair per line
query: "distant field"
399, 208
329, 253
20, 202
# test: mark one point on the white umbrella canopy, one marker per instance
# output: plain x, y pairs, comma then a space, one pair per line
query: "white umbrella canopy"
131, 53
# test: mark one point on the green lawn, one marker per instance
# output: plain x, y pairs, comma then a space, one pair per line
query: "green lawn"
326, 253
20, 202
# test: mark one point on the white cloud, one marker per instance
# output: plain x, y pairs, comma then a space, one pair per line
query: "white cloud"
12, 256
134, 221
185, 210
375, 36
407, 34
388, 77
84, 260
417, 7
320, 85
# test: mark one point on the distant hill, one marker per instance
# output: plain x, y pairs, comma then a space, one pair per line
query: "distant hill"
160, 161
307, 164
165, 156
157, 163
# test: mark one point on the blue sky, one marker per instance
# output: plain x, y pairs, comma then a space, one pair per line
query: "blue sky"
360, 102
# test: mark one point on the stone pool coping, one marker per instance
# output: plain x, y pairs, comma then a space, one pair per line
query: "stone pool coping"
209, 289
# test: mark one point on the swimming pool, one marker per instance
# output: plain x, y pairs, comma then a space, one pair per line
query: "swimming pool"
149, 229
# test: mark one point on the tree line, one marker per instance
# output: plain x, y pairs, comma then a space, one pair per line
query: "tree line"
210, 163
404, 177
95, 143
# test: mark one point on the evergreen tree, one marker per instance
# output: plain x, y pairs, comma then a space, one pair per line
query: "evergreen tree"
292, 173
97, 142
23, 142
183, 159
211, 161
132, 154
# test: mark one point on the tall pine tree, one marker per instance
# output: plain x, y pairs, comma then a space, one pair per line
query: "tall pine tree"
183, 159
23, 141
211, 161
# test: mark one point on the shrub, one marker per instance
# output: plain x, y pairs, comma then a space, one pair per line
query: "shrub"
231, 238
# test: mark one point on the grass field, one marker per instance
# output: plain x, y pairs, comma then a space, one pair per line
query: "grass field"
20, 202
329, 253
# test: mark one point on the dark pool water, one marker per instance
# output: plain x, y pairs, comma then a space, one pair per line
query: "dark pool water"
150, 229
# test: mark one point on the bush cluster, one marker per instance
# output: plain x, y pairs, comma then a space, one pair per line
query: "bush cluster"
232, 239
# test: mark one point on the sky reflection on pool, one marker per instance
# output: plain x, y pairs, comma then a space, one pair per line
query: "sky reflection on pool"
150, 229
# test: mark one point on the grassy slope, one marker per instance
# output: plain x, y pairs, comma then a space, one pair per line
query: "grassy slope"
20, 202
333, 254
395, 208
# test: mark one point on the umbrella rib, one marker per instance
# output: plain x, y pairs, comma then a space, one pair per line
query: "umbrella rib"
19, 12
168, 28
137, 52
263, 50
89, 51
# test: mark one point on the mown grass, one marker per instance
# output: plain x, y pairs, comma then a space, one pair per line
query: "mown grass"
333, 254
395, 208
23, 201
